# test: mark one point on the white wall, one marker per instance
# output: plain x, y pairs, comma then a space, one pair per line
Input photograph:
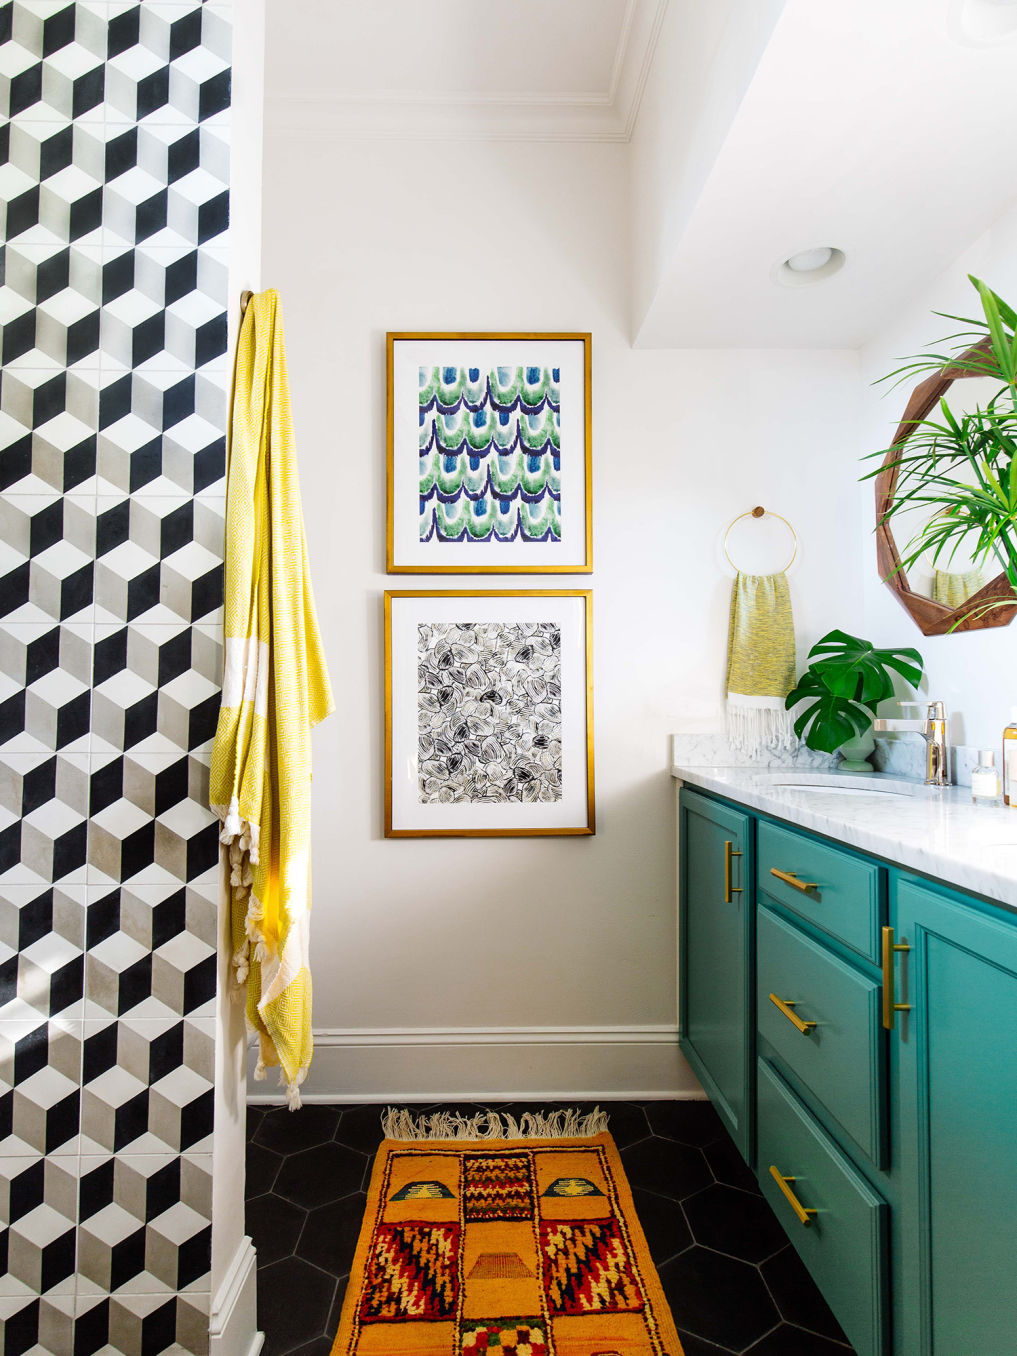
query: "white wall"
365, 236
972, 672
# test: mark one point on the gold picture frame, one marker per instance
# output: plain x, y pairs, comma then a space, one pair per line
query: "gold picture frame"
413, 620
406, 552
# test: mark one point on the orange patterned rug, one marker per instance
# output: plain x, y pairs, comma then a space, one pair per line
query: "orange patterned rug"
520, 1247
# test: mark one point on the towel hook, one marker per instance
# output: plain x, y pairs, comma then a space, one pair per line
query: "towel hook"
760, 512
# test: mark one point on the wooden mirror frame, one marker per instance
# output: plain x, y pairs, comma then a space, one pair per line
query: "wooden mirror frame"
935, 619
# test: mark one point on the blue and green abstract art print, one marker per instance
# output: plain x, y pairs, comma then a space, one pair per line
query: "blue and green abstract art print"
490, 454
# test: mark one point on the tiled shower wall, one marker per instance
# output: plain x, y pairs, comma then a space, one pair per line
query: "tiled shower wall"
114, 195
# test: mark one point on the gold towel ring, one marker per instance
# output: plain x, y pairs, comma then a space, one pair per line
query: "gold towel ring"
758, 512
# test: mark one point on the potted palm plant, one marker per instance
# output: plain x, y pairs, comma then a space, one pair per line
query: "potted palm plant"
845, 681
959, 469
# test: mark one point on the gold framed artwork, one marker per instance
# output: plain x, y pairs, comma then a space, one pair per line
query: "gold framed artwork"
489, 454
488, 713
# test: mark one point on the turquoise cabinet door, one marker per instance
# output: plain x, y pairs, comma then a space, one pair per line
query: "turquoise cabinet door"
716, 919
956, 1054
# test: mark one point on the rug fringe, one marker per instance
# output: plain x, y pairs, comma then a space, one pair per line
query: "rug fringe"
400, 1123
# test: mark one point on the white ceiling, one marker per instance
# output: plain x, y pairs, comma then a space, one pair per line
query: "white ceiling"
533, 69
869, 126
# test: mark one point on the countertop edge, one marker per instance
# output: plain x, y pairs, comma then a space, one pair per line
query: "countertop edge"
957, 871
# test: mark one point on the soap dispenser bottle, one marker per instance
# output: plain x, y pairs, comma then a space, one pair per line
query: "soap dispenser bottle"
985, 780
1010, 761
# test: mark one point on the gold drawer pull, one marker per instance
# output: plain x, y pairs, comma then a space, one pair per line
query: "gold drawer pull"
890, 1005
804, 1215
729, 889
785, 1005
791, 878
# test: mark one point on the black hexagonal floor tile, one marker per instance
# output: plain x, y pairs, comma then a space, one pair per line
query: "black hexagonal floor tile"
627, 1123
320, 1346
262, 1169
732, 1221
287, 1132
320, 1175
663, 1224
693, 1123
728, 1166
798, 1297
274, 1225
695, 1346
790, 1341
665, 1167
293, 1300
718, 1298
330, 1235
360, 1127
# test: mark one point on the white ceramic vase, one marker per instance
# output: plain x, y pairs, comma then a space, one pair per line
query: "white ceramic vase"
855, 753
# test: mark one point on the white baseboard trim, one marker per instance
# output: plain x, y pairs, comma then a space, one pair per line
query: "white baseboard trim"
490, 1064
358, 1038
493, 1098
233, 1322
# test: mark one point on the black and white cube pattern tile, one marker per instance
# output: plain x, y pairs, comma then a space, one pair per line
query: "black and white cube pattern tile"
114, 175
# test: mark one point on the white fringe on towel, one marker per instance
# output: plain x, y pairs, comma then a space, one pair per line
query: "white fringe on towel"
759, 724
399, 1123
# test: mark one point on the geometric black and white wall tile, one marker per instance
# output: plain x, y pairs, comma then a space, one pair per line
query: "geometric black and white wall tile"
114, 196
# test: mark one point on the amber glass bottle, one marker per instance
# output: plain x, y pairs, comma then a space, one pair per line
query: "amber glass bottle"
1010, 761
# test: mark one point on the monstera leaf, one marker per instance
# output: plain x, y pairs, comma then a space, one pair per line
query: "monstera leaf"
845, 681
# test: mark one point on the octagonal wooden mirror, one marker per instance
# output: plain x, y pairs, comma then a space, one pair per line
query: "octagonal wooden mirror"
939, 599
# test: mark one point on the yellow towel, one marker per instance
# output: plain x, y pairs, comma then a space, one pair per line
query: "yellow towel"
275, 690
760, 664
955, 589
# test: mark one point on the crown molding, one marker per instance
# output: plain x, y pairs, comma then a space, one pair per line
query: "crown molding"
599, 116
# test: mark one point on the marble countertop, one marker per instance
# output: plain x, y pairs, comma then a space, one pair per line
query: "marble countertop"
938, 832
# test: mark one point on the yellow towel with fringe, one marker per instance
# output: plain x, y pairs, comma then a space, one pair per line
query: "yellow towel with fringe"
952, 590
275, 690
760, 665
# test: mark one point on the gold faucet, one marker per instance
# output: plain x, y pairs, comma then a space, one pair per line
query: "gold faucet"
933, 731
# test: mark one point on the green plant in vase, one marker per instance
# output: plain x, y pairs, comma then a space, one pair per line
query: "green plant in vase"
845, 681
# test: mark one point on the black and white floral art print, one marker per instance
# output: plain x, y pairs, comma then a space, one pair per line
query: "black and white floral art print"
489, 712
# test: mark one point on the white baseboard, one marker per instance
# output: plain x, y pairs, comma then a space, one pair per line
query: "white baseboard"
427, 1064
233, 1324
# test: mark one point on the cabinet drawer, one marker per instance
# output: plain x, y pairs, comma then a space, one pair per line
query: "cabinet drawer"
844, 1244
844, 893
840, 1058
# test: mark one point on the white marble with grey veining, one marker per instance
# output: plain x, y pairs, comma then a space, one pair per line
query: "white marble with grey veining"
940, 833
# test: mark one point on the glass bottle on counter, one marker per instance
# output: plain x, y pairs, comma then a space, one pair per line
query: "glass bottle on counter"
985, 779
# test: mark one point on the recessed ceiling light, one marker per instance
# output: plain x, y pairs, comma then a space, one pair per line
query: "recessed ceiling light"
979, 23
807, 261
809, 266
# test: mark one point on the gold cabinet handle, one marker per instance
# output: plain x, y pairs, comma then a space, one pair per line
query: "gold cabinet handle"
785, 1005
890, 1005
791, 878
804, 1215
729, 889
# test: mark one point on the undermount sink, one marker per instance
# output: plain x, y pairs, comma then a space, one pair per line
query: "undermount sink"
854, 784
844, 790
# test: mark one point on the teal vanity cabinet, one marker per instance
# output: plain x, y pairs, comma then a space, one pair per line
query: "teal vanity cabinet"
956, 1054
716, 920
881, 1119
